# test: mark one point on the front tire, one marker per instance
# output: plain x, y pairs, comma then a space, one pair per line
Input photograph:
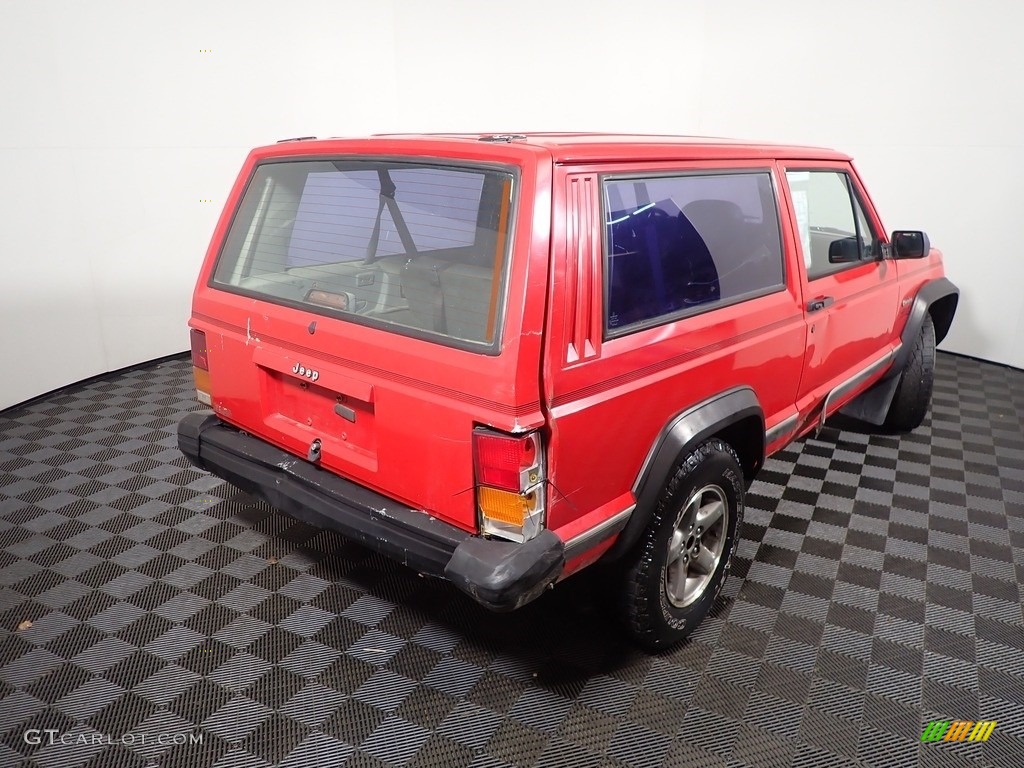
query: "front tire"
914, 393
679, 566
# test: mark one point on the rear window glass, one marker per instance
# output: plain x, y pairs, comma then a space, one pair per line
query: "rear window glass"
686, 244
416, 248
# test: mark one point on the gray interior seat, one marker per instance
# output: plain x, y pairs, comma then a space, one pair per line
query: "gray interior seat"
444, 296
467, 299
737, 246
421, 284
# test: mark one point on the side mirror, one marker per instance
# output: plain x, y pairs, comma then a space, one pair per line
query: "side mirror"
844, 251
910, 244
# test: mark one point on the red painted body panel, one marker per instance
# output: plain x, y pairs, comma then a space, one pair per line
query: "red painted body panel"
424, 398
610, 406
600, 404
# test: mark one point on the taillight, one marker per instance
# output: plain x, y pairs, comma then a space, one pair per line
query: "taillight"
201, 366
501, 459
199, 357
509, 472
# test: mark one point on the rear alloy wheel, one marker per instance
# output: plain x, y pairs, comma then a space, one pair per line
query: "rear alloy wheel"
680, 563
696, 547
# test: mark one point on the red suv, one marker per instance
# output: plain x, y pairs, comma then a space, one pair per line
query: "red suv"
499, 359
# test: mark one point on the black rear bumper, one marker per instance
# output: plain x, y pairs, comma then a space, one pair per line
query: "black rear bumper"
500, 575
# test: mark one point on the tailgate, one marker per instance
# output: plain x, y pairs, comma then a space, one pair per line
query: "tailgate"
360, 314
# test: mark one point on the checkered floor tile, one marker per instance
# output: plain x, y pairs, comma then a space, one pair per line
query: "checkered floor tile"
154, 616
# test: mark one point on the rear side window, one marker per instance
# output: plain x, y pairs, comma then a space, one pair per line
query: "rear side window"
685, 244
417, 248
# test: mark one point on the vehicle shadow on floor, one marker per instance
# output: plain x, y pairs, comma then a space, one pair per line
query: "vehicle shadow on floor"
558, 642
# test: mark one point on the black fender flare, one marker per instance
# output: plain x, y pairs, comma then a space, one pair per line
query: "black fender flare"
872, 406
683, 433
931, 293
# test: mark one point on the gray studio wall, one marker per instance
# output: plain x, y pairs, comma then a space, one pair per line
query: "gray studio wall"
122, 119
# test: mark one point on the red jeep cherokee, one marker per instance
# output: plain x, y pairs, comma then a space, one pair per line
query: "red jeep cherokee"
499, 359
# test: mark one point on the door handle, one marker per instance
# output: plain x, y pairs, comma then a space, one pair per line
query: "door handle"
819, 303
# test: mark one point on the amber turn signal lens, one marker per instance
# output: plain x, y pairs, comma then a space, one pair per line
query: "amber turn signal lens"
202, 380
503, 506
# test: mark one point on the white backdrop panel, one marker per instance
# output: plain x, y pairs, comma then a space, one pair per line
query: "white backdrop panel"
121, 117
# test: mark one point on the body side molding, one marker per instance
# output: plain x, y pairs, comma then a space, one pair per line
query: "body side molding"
784, 428
853, 382
590, 538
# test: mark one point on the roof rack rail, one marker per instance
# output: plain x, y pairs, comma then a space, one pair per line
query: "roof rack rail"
297, 138
504, 137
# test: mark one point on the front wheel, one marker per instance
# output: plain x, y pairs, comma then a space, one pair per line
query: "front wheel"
680, 563
914, 392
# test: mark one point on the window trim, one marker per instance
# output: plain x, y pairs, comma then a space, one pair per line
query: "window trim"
854, 194
492, 349
859, 203
682, 314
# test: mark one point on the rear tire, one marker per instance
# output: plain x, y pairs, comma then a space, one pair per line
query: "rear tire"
678, 567
914, 393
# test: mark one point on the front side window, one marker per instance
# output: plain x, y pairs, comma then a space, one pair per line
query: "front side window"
413, 247
834, 229
683, 244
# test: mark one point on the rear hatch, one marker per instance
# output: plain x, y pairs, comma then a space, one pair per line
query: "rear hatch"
362, 309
